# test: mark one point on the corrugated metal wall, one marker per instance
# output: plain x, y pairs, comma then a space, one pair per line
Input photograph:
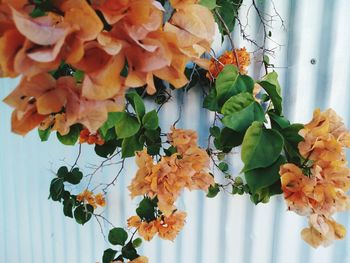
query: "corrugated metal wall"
226, 229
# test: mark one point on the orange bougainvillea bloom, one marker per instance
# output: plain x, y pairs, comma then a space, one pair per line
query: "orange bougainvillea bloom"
88, 197
323, 193
322, 231
188, 168
170, 226
167, 227
217, 65
87, 137
39, 98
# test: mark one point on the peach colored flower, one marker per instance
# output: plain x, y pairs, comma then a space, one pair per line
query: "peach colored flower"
100, 200
145, 180
134, 221
148, 229
296, 188
140, 259
182, 139
322, 231
170, 226
217, 65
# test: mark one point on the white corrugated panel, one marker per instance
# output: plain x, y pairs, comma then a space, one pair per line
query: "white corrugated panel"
225, 229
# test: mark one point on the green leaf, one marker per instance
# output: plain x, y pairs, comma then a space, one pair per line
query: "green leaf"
72, 137
83, 213
226, 81
68, 207
150, 120
107, 149
108, 255
260, 147
272, 87
241, 120
170, 151
146, 209
278, 121
62, 171
129, 252
37, 12
213, 191
113, 118
210, 101
74, 177
214, 131
79, 75
291, 133
237, 103
223, 167
228, 139
130, 146
264, 177
117, 236
44, 134
56, 189
127, 126
228, 10
137, 242
153, 141
210, 4
137, 103
230, 83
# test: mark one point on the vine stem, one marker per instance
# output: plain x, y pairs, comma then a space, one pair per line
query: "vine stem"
229, 36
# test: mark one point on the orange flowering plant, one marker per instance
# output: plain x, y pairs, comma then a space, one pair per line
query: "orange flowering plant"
86, 69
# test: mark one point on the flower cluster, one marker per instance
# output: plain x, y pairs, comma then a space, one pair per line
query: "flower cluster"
165, 180
229, 57
318, 188
167, 227
89, 198
90, 138
114, 45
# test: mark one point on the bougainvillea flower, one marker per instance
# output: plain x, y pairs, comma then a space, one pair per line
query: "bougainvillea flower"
170, 226
229, 58
10, 42
148, 229
296, 187
322, 231
144, 180
182, 139
180, 4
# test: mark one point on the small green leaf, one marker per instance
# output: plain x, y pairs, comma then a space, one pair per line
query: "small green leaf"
68, 207
129, 252
260, 147
170, 151
117, 236
137, 103
272, 87
150, 120
83, 213
127, 126
223, 167
56, 189
37, 12
278, 121
44, 134
107, 149
228, 139
74, 177
214, 131
213, 191
108, 255
137, 242
62, 171
146, 209
72, 137
79, 76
